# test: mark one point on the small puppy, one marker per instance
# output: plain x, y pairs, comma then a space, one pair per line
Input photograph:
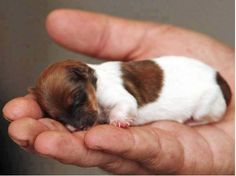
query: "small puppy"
132, 93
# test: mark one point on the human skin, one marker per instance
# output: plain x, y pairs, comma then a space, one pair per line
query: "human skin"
160, 147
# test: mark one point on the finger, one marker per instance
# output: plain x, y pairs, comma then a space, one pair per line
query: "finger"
97, 34
24, 131
114, 38
220, 139
157, 149
69, 148
53, 125
198, 157
22, 107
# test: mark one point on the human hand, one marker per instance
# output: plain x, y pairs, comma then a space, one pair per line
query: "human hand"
161, 147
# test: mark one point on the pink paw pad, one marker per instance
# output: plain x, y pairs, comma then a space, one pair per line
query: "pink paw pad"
120, 124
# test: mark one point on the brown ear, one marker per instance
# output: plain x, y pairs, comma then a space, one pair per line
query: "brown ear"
78, 73
93, 78
81, 72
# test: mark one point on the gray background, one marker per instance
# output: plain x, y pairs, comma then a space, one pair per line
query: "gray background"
25, 49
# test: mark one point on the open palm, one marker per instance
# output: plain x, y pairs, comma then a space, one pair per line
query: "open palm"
161, 147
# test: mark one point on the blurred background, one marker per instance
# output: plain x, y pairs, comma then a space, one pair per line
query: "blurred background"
25, 49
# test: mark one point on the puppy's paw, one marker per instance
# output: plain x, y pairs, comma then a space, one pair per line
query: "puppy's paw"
121, 123
122, 115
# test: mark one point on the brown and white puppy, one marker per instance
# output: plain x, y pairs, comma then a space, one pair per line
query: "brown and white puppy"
66, 92
132, 93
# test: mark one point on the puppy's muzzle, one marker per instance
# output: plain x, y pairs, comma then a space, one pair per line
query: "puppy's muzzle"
86, 120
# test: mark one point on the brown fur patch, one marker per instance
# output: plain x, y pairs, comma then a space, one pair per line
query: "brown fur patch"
224, 88
51, 96
142, 79
93, 104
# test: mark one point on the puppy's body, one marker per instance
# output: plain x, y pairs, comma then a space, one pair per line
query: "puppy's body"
186, 89
136, 93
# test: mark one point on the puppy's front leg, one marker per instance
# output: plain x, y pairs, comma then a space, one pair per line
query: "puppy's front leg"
123, 114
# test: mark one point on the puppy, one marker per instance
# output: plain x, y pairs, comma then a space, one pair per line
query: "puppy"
132, 93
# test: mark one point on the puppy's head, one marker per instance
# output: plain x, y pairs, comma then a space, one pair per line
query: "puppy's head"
66, 92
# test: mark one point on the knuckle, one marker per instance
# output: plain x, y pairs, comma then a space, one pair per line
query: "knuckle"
113, 166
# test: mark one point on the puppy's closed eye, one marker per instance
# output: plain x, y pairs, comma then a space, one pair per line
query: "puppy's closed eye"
80, 99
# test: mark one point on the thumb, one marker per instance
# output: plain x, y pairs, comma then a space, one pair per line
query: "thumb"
95, 34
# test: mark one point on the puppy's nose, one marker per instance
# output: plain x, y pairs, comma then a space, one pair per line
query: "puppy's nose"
88, 120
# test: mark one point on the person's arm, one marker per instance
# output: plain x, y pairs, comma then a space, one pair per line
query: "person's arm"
161, 147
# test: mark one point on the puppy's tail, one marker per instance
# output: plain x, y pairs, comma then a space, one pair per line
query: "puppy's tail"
225, 89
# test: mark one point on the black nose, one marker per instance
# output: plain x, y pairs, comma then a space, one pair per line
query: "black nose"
89, 121
86, 123
86, 120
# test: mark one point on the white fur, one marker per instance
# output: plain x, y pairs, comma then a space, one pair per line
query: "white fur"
112, 97
189, 90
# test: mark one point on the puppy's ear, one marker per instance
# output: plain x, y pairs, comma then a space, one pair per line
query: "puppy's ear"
78, 73
93, 78
83, 73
